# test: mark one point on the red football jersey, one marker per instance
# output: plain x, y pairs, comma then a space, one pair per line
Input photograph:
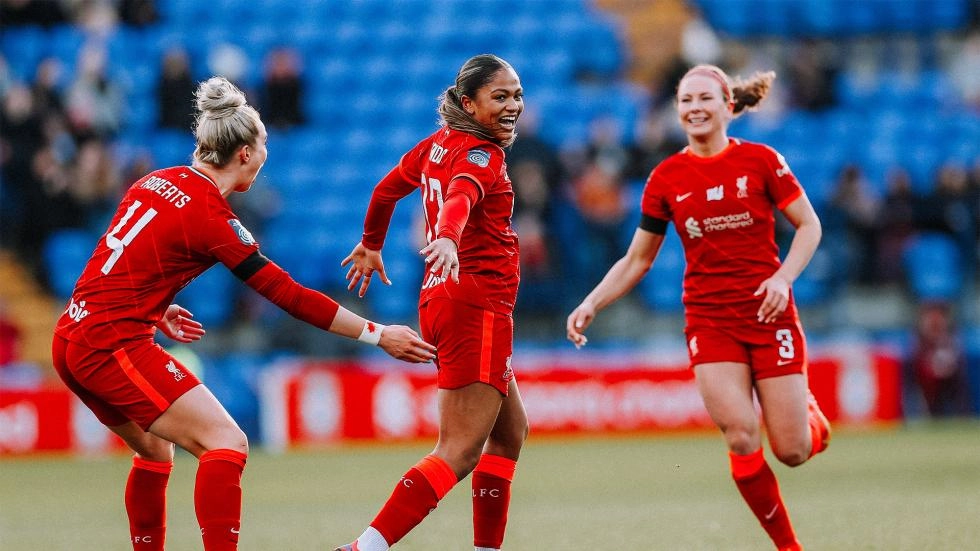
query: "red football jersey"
722, 209
489, 269
171, 226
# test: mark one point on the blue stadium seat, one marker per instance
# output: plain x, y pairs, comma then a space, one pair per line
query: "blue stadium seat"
933, 267
172, 147
65, 43
211, 297
663, 286
23, 48
65, 254
816, 283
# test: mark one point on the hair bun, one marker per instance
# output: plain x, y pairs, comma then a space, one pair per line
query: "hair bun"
217, 98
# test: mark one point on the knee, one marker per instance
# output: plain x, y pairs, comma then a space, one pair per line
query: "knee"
236, 440
792, 457
229, 437
155, 449
742, 440
461, 460
514, 437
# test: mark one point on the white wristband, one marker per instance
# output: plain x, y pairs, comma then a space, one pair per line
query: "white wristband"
371, 333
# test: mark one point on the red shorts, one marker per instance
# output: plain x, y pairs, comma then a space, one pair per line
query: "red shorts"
473, 345
135, 383
770, 350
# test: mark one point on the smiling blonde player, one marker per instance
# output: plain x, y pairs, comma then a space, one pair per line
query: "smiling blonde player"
742, 329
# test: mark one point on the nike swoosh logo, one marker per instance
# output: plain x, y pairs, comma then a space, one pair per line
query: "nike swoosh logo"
234, 531
773, 512
783, 362
685, 196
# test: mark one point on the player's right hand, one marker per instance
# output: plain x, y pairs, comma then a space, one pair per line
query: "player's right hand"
578, 321
364, 263
403, 343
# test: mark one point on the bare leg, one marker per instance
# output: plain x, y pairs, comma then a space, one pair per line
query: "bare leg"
784, 410
726, 388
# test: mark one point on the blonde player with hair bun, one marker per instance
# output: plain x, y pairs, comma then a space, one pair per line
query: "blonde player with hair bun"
171, 226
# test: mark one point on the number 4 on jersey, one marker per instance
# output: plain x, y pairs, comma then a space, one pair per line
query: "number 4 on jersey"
118, 245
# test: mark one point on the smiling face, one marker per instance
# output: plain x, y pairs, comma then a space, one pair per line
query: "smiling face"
498, 104
702, 108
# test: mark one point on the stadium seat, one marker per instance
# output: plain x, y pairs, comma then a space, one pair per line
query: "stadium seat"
663, 286
65, 254
23, 48
933, 267
211, 297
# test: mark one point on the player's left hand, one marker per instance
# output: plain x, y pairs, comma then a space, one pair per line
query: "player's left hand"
776, 291
444, 258
177, 324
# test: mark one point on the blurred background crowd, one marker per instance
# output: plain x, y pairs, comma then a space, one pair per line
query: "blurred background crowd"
876, 108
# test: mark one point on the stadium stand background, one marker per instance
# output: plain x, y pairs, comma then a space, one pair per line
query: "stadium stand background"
371, 72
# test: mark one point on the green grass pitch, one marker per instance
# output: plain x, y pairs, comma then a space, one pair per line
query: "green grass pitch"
914, 488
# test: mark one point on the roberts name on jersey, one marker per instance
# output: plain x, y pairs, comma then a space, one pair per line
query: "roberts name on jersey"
167, 190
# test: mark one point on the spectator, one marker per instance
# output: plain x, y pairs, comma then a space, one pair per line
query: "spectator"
963, 68
282, 90
32, 12
937, 363
139, 13
653, 144
811, 76
537, 174
896, 224
21, 138
95, 103
10, 339
47, 86
175, 90
952, 208
851, 216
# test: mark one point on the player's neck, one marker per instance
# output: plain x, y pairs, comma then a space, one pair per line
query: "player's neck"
708, 146
222, 179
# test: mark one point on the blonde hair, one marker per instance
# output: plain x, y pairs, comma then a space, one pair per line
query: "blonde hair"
743, 94
225, 121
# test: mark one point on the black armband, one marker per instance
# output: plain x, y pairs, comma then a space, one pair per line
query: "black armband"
653, 225
248, 267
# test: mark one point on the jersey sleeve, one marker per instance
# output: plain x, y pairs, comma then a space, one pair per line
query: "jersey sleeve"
478, 163
224, 237
781, 183
654, 209
410, 165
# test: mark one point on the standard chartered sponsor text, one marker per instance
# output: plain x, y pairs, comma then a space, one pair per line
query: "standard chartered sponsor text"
728, 222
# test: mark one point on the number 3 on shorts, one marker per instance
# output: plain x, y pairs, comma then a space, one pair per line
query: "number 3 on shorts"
785, 338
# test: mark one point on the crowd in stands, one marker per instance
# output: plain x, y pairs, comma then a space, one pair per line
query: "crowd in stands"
68, 149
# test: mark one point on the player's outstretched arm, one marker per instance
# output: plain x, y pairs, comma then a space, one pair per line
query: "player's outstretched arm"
364, 262
399, 341
319, 310
177, 324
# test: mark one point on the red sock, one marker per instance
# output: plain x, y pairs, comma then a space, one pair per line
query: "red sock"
146, 503
417, 493
491, 499
218, 498
758, 486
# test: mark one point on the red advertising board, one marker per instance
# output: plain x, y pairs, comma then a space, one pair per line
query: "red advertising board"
309, 402
50, 418
313, 402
